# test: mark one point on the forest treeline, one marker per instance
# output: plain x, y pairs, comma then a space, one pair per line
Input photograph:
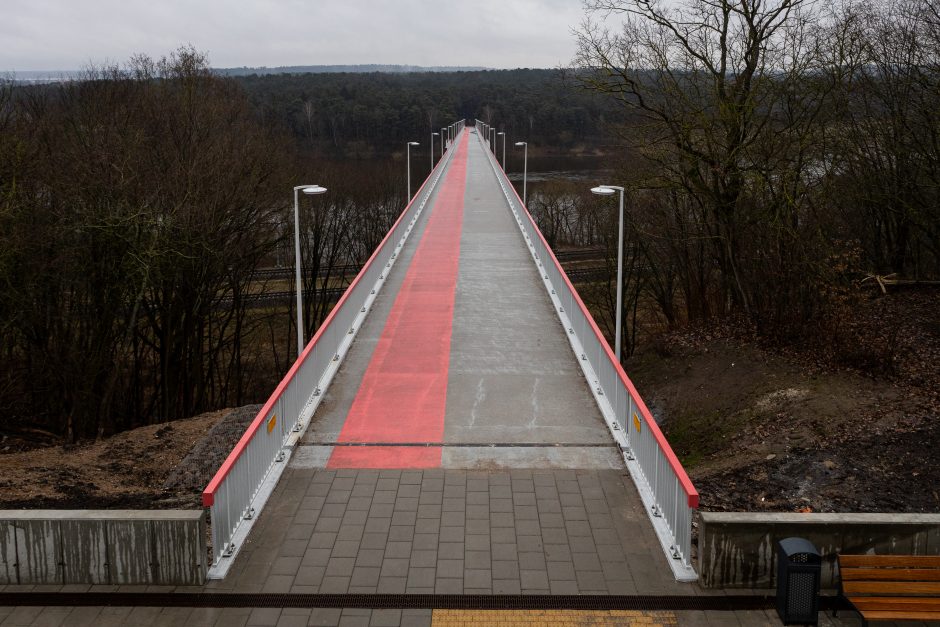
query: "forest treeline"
773, 155
362, 115
330, 69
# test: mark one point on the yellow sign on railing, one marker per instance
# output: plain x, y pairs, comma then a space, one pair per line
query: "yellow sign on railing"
636, 422
271, 423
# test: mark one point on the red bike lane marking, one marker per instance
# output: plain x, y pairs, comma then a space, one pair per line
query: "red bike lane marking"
403, 393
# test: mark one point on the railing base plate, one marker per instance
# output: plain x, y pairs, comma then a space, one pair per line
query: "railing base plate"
240, 537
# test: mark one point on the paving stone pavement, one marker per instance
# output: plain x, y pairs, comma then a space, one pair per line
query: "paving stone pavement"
453, 531
288, 617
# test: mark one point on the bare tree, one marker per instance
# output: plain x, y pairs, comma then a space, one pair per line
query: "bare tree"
724, 111
135, 209
886, 154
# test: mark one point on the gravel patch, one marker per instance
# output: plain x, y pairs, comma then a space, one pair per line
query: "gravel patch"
186, 482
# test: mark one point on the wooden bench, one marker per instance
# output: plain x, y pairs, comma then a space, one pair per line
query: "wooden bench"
891, 587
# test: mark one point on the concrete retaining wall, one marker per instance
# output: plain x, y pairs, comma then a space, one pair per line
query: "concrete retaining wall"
739, 549
103, 547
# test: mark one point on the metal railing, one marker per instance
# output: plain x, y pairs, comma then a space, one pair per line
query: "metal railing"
236, 492
663, 484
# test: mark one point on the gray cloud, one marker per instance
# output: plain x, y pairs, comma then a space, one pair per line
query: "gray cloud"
69, 34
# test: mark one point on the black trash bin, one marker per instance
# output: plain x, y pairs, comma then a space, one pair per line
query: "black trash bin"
799, 568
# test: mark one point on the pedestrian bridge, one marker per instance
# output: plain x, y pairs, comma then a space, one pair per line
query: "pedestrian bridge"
458, 424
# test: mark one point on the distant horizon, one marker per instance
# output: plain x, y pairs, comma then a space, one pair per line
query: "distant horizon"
331, 68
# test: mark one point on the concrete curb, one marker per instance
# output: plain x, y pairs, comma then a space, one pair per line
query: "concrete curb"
165, 547
739, 549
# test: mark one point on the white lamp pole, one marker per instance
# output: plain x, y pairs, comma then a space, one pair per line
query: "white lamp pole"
433, 135
307, 189
408, 151
443, 134
525, 168
493, 140
607, 190
504, 148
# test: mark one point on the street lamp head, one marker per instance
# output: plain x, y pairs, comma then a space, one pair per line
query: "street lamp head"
520, 143
413, 144
500, 133
434, 134
309, 189
602, 190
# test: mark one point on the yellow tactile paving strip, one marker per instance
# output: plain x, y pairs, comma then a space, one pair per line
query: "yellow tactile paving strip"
553, 618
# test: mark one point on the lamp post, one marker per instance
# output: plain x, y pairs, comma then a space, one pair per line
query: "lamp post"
408, 159
443, 134
504, 148
493, 140
525, 168
310, 190
608, 190
433, 135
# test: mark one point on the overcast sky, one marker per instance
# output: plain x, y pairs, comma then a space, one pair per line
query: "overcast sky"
70, 34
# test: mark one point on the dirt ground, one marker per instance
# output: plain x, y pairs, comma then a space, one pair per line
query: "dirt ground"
850, 424
814, 429
162, 466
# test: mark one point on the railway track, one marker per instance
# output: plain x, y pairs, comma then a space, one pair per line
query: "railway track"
288, 272
263, 299
352, 269
267, 298
580, 255
577, 275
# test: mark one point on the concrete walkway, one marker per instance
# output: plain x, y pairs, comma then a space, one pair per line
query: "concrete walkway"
331, 617
511, 378
453, 532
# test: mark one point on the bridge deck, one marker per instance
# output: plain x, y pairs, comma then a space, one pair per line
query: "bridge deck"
458, 449
462, 347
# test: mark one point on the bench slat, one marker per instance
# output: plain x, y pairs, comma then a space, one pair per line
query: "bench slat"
891, 574
909, 588
902, 615
921, 604
900, 561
